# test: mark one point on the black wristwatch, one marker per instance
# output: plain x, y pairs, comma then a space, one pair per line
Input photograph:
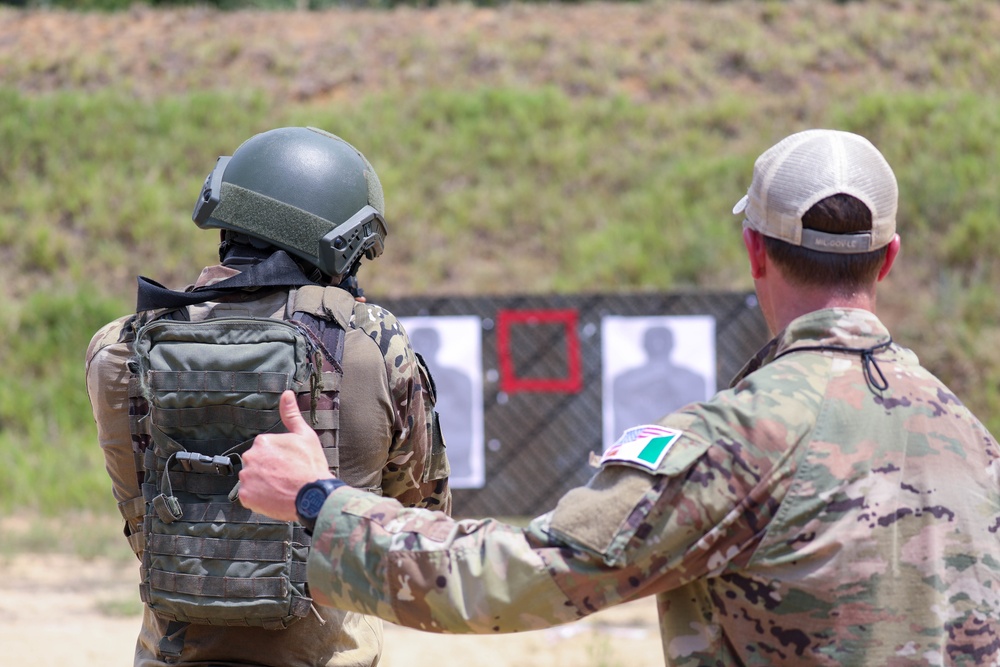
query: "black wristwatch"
310, 498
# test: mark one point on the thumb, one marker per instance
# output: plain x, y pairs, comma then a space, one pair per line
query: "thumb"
290, 415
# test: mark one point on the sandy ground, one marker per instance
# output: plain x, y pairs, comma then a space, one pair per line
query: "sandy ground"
64, 610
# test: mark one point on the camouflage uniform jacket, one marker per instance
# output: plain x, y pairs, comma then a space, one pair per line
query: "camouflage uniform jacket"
803, 516
386, 446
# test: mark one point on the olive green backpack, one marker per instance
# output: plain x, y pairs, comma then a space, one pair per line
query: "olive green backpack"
200, 393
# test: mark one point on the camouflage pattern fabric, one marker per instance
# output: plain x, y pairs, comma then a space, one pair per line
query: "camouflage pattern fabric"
416, 472
803, 516
387, 445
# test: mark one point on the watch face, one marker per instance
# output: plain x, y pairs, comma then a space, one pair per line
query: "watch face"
312, 501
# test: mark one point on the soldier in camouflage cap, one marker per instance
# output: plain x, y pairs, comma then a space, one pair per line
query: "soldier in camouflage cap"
313, 199
836, 505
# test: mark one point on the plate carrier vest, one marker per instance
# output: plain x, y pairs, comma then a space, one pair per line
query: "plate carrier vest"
199, 393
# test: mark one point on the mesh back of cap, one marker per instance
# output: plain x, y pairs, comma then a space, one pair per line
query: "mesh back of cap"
809, 166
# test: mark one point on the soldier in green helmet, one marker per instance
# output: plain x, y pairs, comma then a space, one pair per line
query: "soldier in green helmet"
179, 388
836, 505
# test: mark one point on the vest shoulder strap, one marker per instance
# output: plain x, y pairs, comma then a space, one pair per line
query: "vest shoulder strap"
331, 303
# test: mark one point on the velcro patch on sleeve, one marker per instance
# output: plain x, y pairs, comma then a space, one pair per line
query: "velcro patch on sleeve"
644, 446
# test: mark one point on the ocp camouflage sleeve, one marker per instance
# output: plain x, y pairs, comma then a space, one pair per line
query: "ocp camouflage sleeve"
619, 538
417, 470
426, 570
838, 505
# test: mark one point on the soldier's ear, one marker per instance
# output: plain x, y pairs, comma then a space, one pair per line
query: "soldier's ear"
756, 252
891, 252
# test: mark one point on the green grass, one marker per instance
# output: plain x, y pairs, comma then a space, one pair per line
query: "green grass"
528, 190
512, 166
47, 438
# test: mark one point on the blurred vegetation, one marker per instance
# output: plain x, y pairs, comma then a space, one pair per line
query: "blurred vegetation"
270, 5
529, 157
84, 533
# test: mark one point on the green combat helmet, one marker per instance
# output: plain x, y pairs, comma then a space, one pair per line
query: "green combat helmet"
303, 190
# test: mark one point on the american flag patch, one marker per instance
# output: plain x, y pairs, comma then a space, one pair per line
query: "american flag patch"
642, 445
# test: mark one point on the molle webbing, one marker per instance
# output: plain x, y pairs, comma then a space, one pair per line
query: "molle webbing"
249, 418
217, 548
219, 587
257, 383
138, 410
259, 421
328, 335
201, 392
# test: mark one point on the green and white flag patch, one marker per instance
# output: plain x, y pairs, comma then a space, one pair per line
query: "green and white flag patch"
642, 445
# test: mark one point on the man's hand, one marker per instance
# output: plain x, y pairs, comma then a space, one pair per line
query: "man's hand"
279, 464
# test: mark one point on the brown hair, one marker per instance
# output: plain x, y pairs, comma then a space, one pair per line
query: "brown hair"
837, 214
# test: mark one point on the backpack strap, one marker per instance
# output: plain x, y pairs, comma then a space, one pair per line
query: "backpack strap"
324, 313
332, 303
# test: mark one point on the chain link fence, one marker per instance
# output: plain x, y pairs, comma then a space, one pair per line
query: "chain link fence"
525, 387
